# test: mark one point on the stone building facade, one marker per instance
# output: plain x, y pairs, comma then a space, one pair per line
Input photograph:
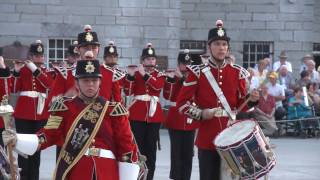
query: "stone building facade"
291, 25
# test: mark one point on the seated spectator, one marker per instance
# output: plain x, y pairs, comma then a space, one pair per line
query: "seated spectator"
262, 71
314, 75
304, 79
314, 98
286, 80
303, 66
283, 61
296, 106
253, 81
297, 109
264, 111
277, 91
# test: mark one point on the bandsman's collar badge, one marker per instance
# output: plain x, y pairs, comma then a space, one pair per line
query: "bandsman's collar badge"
89, 37
220, 32
89, 67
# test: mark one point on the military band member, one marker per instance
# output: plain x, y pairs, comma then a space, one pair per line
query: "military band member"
109, 69
181, 128
145, 83
31, 81
73, 54
88, 48
95, 133
208, 109
5, 86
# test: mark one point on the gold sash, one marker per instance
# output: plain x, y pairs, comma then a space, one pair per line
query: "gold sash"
79, 137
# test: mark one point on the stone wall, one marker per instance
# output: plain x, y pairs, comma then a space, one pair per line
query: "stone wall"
290, 24
131, 24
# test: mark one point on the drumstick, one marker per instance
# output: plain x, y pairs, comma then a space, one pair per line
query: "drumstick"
247, 100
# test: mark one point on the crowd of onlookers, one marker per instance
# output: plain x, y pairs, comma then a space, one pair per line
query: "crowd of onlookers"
284, 97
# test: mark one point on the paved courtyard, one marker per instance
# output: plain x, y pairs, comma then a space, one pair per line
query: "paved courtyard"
297, 159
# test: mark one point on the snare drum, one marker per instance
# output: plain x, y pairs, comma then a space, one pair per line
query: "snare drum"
245, 149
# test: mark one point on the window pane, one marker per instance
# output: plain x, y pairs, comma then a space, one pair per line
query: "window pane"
252, 48
59, 53
52, 43
67, 43
59, 43
245, 48
51, 54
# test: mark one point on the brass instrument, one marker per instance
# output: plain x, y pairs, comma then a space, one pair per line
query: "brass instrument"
6, 111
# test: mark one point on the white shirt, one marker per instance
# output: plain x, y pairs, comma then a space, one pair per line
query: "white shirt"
276, 90
276, 66
254, 83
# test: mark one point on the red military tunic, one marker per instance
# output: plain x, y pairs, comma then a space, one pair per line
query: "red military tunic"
143, 89
114, 134
232, 81
176, 120
29, 87
110, 84
5, 87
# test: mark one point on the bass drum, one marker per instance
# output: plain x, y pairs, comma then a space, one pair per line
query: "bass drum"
245, 149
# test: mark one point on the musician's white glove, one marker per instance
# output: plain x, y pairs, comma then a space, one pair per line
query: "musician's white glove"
31, 66
18, 66
9, 136
207, 114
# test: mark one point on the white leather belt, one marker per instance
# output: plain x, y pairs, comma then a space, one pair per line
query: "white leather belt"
97, 152
172, 103
153, 102
34, 94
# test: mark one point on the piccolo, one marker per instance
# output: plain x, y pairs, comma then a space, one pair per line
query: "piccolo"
146, 66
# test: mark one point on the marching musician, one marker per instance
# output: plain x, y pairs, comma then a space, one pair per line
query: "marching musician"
181, 128
88, 48
95, 133
73, 54
31, 81
109, 69
5, 86
145, 83
207, 108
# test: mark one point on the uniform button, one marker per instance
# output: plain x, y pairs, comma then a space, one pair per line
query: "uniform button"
219, 102
220, 70
220, 83
93, 141
220, 77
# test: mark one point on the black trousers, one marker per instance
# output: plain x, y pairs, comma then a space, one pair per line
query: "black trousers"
209, 164
181, 149
147, 136
30, 166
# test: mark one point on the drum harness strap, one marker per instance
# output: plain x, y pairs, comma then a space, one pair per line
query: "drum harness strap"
214, 85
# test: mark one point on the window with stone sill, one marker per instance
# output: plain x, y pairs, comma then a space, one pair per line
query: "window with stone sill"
58, 48
253, 51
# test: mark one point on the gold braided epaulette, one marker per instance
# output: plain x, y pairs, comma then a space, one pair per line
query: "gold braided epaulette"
118, 109
58, 103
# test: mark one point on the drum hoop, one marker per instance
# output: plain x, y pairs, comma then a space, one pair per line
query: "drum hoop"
237, 144
268, 168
